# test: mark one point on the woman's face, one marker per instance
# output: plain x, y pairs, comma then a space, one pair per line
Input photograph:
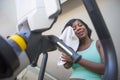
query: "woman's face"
80, 29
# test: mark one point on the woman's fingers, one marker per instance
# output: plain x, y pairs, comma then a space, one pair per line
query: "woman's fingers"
66, 58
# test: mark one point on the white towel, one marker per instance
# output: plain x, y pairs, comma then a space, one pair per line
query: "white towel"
70, 39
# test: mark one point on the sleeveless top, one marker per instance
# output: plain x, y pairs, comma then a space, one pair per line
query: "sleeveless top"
90, 54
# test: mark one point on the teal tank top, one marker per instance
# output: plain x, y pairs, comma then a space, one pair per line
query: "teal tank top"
90, 54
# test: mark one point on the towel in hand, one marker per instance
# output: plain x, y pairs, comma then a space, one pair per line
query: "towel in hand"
70, 39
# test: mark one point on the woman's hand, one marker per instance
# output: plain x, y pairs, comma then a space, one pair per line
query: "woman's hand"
68, 61
66, 58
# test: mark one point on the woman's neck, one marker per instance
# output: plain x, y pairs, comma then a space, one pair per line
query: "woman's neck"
85, 43
85, 40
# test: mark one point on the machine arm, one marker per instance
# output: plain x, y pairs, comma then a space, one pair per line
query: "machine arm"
11, 48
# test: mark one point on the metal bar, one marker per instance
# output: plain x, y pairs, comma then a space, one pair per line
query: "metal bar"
43, 66
111, 68
68, 50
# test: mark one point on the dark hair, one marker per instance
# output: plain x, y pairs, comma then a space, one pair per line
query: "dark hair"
70, 23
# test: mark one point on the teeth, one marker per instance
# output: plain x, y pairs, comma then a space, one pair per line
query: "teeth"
81, 33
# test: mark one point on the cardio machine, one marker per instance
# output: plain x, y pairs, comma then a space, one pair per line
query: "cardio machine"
34, 38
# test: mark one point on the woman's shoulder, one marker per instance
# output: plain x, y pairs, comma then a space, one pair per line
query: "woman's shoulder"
98, 44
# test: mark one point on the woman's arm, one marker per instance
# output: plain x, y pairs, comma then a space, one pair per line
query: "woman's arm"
95, 67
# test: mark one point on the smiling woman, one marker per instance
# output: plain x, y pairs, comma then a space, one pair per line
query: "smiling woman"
92, 64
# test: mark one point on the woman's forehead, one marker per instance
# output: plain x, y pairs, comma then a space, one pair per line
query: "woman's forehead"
77, 22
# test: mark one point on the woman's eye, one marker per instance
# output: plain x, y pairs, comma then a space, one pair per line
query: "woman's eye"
74, 28
80, 25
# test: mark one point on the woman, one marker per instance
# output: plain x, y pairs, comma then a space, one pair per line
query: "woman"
92, 64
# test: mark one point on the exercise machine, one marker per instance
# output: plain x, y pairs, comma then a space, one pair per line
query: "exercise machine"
35, 43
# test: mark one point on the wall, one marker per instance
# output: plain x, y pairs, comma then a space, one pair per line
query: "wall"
8, 18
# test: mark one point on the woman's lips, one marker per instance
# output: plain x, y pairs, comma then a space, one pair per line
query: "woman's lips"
81, 33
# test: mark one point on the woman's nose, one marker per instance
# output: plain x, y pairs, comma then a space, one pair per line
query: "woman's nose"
77, 29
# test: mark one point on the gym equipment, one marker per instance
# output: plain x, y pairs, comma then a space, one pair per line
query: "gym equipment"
34, 43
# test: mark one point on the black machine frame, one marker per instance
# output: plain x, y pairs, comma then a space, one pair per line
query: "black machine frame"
111, 67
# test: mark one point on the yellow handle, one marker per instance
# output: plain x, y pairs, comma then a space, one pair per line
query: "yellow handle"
19, 40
